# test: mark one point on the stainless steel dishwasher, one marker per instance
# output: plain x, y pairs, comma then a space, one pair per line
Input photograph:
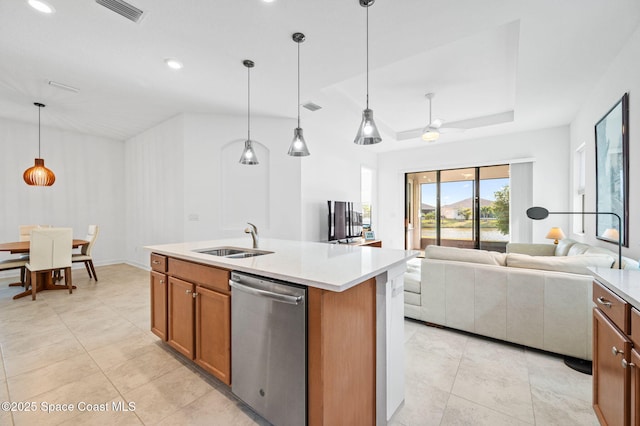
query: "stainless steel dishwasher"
269, 347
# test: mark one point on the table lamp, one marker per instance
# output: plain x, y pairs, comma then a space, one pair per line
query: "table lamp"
555, 234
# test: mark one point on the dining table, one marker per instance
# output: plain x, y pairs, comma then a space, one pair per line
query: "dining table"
44, 280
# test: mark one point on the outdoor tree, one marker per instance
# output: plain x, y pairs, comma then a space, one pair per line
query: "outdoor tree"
501, 209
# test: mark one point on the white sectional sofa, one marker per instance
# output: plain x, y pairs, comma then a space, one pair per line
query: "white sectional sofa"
537, 295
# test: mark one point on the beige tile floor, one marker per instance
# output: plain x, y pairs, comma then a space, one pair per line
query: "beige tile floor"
92, 351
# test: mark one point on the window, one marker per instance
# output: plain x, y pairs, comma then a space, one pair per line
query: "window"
366, 195
460, 208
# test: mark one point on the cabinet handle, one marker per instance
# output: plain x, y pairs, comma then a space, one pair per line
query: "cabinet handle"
601, 300
626, 364
156, 262
161, 281
195, 294
615, 351
189, 292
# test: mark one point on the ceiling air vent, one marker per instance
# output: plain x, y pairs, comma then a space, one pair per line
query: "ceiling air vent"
311, 106
122, 8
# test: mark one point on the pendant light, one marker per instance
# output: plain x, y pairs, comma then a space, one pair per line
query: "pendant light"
248, 154
298, 146
368, 132
39, 175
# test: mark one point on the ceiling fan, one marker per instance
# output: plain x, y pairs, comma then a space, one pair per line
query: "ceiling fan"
431, 132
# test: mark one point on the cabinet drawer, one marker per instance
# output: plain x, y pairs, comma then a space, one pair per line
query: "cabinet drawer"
635, 327
158, 262
612, 306
204, 275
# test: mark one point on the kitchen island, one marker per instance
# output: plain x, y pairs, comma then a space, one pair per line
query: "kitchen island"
355, 317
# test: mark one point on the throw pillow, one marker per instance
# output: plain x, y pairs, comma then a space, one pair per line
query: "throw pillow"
465, 255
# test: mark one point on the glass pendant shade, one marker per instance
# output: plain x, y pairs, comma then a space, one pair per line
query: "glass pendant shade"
248, 156
39, 175
368, 131
298, 146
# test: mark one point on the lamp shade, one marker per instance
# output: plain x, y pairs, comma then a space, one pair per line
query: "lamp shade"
248, 154
556, 234
298, 146
39, 175
368, 131
611, 234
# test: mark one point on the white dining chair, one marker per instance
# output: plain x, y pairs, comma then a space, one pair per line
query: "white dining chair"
25, 235
14, 263
85, 252
50, 250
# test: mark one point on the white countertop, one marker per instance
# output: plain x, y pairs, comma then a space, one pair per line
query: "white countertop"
624, 282
334, 267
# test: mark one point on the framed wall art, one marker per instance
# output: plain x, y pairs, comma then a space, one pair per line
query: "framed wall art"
612, 171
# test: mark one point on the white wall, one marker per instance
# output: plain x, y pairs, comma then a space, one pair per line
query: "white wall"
621, 77
88, 188
154, 176
210, 178
332, 171
548, 147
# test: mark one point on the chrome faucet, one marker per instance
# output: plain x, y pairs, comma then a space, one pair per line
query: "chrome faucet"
253, 230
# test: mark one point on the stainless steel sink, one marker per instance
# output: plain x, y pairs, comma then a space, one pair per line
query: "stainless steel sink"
232, 252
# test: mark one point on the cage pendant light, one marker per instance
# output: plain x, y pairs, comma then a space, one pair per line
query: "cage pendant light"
298, 146
248, 154
368, 131
39, 175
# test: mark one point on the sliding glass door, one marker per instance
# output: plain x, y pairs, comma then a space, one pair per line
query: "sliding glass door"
466, 208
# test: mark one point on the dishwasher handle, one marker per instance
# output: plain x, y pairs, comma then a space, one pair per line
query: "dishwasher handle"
285, 298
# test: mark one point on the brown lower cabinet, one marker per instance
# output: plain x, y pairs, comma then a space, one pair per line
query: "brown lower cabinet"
191, 311
616, 359
611, 384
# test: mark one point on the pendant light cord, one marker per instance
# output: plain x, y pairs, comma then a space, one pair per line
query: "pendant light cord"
367, 56
249, 104
39, 108
298, 84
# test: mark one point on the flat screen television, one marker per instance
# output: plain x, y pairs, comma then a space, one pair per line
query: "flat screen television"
345, 220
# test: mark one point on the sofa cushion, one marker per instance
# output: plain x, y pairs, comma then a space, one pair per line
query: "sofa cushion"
532, 249
577, 264
578, 248
563, 246
412, 298
603, 252
465, 255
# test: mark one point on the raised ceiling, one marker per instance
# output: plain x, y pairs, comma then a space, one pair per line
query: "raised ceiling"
481, 58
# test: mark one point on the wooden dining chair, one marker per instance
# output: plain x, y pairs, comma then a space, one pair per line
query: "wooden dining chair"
85, 252
50, 250
14, 263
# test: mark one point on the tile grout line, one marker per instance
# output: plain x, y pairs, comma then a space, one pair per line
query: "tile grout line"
6, 384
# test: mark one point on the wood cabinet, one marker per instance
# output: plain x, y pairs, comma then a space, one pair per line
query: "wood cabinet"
181, 316
213, 340
158, 288
191, 311
610, 378
616, 360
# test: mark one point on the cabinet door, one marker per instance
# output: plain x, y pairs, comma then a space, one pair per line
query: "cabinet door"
635, 388
611, 381
213, 333
181, 313
158, 288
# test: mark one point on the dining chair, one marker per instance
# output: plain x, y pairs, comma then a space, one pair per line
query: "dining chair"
50, 250
14, 263
85, 252
25, 235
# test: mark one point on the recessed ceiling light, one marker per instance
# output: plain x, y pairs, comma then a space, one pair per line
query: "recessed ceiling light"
268, 1
173, 63
42, 6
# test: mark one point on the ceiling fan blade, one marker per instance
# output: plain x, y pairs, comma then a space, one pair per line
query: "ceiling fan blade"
409, 134
486, 120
